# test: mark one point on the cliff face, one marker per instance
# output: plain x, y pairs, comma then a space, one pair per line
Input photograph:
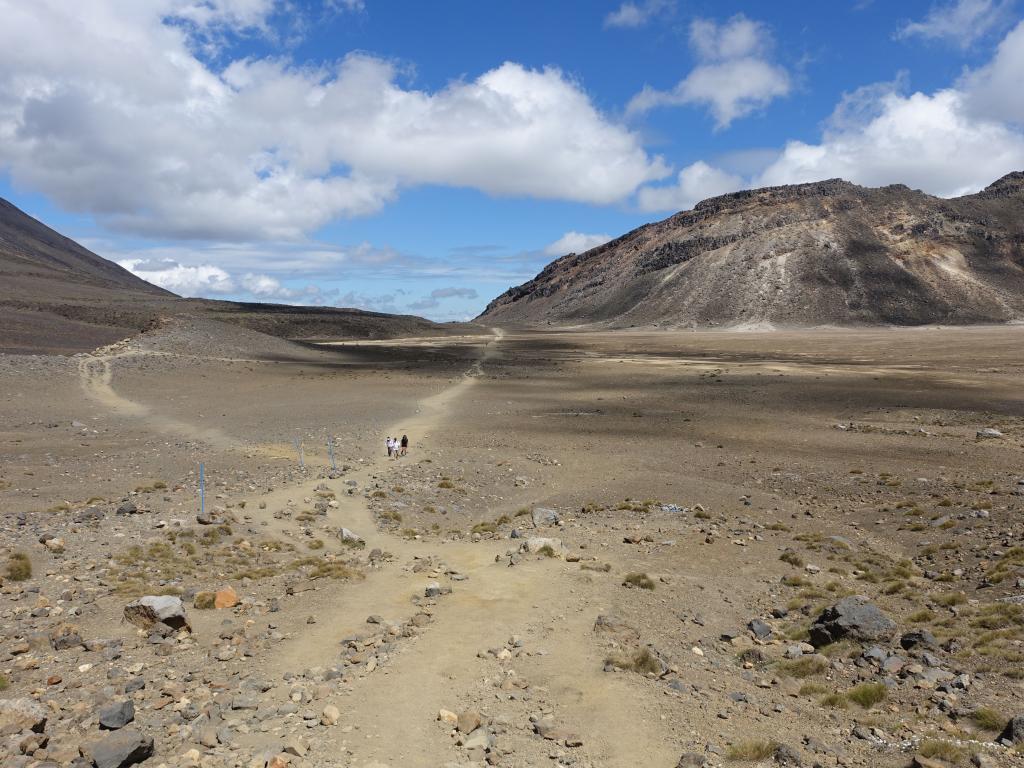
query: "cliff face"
830, 252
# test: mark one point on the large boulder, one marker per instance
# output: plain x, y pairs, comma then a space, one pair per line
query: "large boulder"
853, 617
157, 609
1014, 731
541, 544
543, 516
120, 749
22, 714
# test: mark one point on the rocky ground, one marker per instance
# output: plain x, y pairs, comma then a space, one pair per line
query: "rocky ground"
602, 550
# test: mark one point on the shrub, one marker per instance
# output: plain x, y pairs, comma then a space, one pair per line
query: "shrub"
316, 544
204, 601
447, 484
484, 528
547, 550
19, 567
639, 580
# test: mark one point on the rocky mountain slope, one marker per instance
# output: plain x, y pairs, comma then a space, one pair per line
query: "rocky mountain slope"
58, 297
829, 252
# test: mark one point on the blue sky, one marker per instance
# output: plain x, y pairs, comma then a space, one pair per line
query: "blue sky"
423, 157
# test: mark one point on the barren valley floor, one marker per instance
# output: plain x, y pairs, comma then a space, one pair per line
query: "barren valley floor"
603, 549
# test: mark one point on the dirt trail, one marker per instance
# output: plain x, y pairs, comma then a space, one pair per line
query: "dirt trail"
393, 710
96, 375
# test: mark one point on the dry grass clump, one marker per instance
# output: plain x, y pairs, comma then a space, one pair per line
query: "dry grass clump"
391, 516
805, 666
484, 527
547, 550
316, 544
988, 719
599, 567
446, 484
19, 567
867, 695
939, 749
3, 683
792, 558
638, 580
642, 662
204, 601
751, 750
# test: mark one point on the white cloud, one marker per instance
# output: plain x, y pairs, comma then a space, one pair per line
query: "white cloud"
575, 242
926, 141
996, 91
695, 182
110, 111
453, 292
962, 22
200, 280
631, 15
735, 77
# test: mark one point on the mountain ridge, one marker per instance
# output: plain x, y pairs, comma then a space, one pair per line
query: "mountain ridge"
820, 253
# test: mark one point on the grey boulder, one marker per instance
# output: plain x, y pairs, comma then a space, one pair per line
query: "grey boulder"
853, 617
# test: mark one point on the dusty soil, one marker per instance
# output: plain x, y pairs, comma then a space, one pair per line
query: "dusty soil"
682, 466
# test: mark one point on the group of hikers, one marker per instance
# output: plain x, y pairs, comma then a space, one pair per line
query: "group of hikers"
397, 446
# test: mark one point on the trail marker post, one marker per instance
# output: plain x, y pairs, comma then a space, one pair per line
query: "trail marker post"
330, 452
299, 451
202, 488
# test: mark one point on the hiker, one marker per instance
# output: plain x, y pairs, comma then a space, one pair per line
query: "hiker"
405, 444
390, 445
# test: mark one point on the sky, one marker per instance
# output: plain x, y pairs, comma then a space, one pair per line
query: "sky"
421, 158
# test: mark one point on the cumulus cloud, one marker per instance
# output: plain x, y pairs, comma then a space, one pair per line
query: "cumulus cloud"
736, 75
113, 112
995, 90
199, 280
631, 15
575, 242
695, 182
962, 22
953, 141
927, 141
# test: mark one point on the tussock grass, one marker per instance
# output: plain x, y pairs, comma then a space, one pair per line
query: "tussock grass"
988, 719
805, 666
867, 695
940, 749
751, 750
642, 662
638, 580
19, 567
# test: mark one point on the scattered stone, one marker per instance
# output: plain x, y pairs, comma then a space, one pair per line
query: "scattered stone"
117, 715
543, 516
853, 617
22, 714
157, 609
120, 749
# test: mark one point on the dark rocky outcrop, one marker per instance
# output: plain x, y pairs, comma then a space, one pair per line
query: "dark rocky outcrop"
829, 252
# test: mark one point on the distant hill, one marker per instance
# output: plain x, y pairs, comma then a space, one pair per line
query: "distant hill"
57, 297
826, 253
37, 262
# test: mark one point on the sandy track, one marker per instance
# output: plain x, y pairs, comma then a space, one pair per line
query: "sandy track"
392, 711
